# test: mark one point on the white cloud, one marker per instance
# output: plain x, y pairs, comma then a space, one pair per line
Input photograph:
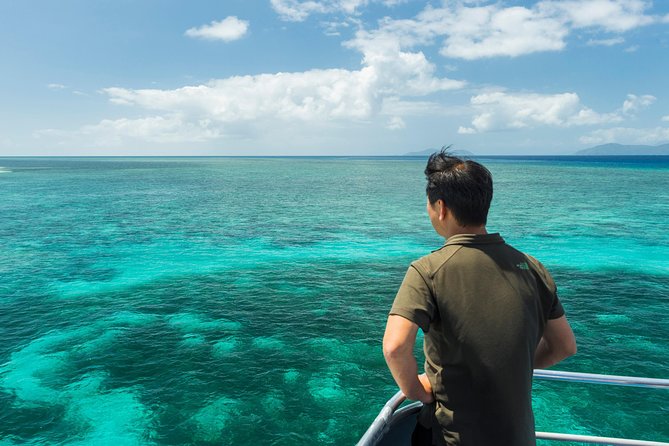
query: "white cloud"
161, 129
500, 110
611, 15
626, 135
665, 118
470, 32
493, 31
606, 42
308, 96
299, 10
311, 95
504, 111
396, 123
634, 103
59, 87
333, 28
314, 96
394, 106
229, 29
466, 130
172, 128
475, 30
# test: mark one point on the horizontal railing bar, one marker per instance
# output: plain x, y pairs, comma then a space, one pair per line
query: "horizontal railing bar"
597, 440
593, 378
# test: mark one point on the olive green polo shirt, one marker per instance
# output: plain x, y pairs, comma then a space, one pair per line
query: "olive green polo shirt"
483, 306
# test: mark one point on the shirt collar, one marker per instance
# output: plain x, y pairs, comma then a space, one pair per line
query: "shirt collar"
474, 239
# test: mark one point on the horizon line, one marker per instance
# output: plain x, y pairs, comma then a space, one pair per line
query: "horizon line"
338, 156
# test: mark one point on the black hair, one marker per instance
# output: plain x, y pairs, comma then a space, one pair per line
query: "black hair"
464, 185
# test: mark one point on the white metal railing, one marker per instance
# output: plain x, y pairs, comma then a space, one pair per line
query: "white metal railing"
602, 379
380, 425
597, 440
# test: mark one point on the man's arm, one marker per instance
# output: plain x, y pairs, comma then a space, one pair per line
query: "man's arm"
398, 342
557, 343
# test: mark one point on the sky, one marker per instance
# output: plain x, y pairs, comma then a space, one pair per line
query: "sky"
330, 77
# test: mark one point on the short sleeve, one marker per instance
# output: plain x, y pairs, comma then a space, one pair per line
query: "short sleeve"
414, 300
555, 310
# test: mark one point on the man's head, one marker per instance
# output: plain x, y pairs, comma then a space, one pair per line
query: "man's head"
464, 186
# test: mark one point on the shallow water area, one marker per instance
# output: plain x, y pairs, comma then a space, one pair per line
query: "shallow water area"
184, 301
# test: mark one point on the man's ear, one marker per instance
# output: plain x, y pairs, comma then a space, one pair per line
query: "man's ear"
442, 209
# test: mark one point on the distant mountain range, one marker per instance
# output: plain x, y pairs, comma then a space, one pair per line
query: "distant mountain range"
620, 149
428, 152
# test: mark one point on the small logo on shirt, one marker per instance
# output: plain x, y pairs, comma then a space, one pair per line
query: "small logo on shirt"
523, 265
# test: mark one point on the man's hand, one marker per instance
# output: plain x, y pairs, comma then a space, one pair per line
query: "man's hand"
429, 396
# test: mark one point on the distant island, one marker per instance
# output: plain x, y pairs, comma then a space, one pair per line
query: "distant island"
620, 149
428, 152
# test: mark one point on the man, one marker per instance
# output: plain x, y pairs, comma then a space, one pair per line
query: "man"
490, 315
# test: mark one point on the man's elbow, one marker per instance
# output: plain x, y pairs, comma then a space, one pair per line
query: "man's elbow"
390, 350
393, 349
570, 348
399, 339
565, 349
560, 340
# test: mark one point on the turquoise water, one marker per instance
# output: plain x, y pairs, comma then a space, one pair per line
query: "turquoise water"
243, 300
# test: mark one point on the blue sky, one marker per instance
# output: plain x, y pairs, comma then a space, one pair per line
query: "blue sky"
331, 77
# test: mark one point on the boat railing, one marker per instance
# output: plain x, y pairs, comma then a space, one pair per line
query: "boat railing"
380, 425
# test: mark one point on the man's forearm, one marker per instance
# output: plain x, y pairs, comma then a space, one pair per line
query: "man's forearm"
545, 356
557, 343
404, 369
398, 343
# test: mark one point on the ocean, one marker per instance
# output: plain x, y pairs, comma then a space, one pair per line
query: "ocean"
165, 301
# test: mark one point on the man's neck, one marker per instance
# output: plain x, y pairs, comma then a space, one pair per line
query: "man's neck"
457, 230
